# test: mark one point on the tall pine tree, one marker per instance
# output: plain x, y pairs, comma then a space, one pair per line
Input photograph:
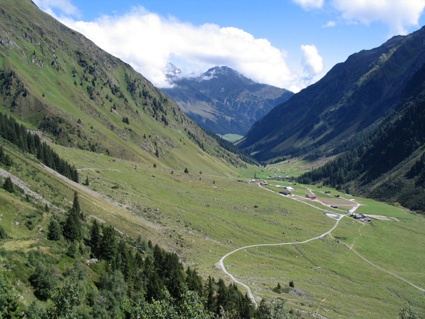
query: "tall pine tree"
72, 227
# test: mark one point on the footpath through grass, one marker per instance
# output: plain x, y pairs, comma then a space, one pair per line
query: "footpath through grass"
203, 216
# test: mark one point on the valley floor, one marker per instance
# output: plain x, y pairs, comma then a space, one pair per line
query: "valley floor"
323, 260
351, 204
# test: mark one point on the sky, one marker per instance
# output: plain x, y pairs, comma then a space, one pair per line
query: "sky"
286, 43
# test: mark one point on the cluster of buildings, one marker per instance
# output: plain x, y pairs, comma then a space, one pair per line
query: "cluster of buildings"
286, 190
360, 217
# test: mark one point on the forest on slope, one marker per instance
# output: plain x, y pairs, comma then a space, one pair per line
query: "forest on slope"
344, 107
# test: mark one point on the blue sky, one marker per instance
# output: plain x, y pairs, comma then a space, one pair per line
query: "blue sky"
287, 43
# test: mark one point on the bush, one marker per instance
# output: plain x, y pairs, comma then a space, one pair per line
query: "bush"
42, 282
8, 185
3, 234
54, 230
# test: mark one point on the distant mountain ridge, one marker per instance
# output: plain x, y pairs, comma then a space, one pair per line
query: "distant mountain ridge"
348, 102
224, 101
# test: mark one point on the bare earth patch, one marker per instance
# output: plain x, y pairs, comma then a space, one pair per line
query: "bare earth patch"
383, 218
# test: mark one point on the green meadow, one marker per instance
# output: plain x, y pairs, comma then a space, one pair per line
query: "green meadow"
168, 182
203, 215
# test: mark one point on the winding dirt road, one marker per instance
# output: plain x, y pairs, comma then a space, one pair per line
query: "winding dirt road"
338, 219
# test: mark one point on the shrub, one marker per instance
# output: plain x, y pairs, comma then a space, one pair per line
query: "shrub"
8, 185
3, 234
54, 230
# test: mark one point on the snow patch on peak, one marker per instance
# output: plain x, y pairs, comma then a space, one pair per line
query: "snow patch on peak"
172, 70
220, 71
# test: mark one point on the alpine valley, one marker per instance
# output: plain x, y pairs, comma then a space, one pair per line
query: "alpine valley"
115, 204
370, 110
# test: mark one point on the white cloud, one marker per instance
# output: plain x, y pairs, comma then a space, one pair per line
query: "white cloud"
65, 6
397, 14
312, 61
310, 4
329, 24
148, 42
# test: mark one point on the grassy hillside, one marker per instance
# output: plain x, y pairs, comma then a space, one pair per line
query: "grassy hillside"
202, 217
59, 83
174, 187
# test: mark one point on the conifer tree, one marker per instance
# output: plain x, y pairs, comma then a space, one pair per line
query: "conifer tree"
54, 231
210, 303
108, 244
8, 185
95, 238
4, 158
72, 227
193, 281
76, 206
223, 296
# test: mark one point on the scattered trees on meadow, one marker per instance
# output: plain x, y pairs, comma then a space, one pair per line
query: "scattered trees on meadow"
135, 279
28, 142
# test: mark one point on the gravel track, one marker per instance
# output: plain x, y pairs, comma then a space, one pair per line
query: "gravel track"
352, 210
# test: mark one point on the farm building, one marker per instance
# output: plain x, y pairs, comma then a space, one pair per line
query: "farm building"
259, 182
311, 196
360, 217
285, 192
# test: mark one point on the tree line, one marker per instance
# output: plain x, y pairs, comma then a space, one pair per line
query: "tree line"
28, 142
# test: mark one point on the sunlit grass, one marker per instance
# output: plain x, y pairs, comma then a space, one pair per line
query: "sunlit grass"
204, 215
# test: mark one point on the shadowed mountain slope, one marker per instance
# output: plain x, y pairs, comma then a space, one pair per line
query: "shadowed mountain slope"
332, 115
389, 165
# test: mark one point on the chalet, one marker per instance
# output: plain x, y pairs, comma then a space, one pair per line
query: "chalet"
289, 188
285, 192
311, 196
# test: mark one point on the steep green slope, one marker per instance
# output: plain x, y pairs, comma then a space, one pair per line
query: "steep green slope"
58, 82
330, 116
390, 164
58, 260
